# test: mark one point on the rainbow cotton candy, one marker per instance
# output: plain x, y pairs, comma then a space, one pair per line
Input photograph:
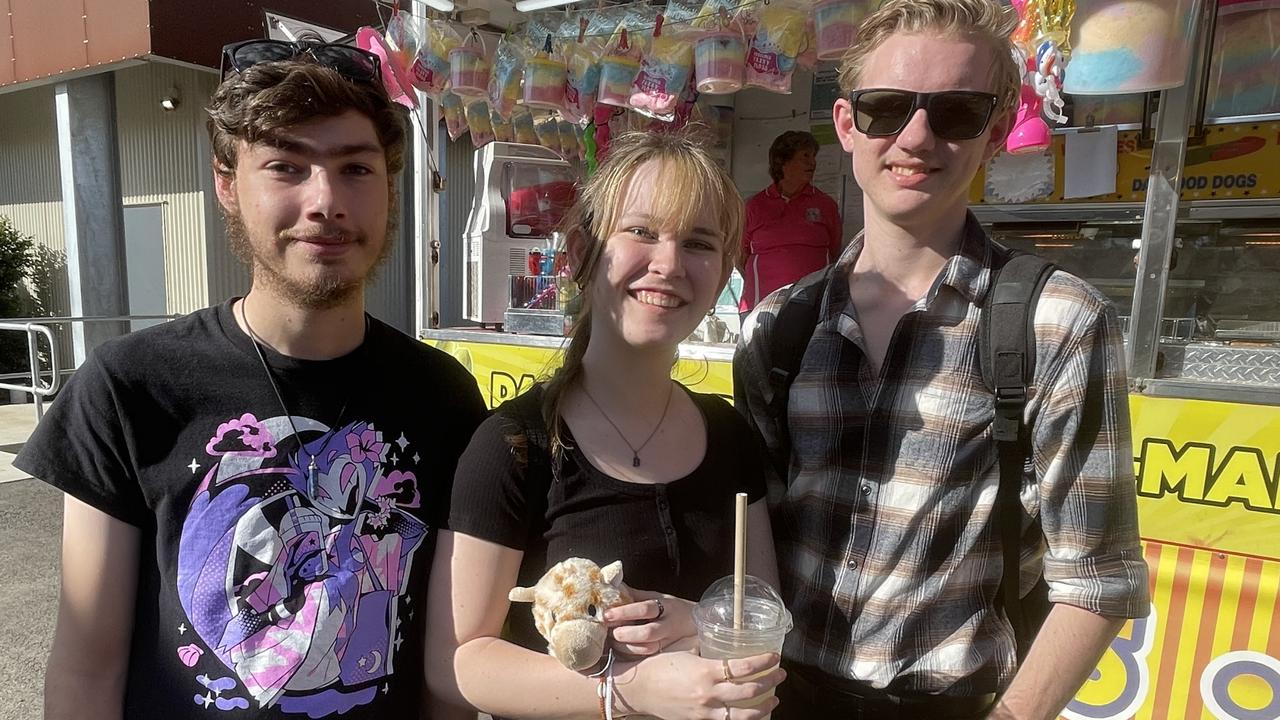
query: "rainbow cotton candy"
1129, 46
1245, 79
663, 75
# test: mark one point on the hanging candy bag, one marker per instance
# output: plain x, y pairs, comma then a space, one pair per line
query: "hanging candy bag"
478, 123
455, 116
582, 77
664, 72
431, 67
502, 129
505, 76
618, 70
779, 39
522, 126
568, 140
402, 38
547, 129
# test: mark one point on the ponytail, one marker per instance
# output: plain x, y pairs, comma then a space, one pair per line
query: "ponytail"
570, 370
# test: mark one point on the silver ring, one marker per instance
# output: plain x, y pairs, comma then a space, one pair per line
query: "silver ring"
728, 677
661, 609
726, 711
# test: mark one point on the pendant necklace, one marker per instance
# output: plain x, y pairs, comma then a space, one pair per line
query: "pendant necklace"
257, 346
635, 451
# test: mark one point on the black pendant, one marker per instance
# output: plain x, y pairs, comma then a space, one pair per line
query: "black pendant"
635, 461
311, 472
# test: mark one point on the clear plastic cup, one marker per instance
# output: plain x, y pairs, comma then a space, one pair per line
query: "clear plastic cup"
719, 56
836, 25
765, 623
468, 71
544, 83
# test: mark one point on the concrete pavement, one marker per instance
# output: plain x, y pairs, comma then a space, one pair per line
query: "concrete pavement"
29, 549
16, 424
30, 543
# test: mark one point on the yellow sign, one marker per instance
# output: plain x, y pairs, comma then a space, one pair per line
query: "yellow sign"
505, 371
1207, 500
1207, 474
1234, 162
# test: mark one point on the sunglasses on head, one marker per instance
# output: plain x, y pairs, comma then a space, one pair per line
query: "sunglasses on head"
953, 114
350, 62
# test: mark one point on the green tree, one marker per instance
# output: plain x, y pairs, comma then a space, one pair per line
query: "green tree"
17, 260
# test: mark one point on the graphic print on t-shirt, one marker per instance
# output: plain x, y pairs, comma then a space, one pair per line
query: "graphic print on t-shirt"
292, 579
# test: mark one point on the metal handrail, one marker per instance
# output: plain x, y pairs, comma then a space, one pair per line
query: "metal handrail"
90, 318
15, 375
37, 388
39, 326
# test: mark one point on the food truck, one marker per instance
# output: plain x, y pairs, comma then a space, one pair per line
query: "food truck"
1167, 200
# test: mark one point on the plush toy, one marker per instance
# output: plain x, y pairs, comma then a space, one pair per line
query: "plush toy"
568, 608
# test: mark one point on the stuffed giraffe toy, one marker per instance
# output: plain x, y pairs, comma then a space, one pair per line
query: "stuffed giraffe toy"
568, 608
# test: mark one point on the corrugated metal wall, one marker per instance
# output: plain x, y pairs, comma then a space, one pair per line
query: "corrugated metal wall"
390, 296
30, 190
161, 162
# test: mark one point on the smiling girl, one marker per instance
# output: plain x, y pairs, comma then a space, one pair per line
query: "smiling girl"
610, 459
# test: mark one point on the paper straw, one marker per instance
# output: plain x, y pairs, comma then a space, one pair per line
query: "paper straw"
739, 556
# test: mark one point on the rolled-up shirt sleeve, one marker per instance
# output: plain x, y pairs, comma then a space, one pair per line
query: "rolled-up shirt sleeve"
1083, 454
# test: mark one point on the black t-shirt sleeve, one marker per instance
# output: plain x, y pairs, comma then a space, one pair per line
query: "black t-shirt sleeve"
489, 500
748, 452
737, 447
79, 446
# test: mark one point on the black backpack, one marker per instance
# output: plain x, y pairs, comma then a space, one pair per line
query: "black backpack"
1006, 329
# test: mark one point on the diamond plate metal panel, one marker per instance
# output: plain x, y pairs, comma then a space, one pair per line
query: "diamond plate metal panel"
1213, 363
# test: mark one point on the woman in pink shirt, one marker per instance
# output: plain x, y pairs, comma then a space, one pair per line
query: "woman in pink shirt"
792, 228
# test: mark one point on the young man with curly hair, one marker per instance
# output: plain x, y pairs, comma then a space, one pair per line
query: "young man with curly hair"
253, 491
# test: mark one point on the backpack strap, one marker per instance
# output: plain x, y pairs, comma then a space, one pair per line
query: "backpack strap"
1007, 347
788, 339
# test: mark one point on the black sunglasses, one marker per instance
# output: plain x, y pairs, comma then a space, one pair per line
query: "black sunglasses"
953, 114
350, 62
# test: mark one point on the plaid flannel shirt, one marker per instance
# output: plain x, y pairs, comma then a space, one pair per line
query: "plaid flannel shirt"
890, 562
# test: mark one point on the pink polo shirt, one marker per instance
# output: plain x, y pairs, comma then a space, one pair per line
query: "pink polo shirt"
785, 240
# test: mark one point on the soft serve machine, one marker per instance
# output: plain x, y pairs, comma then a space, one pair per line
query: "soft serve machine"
511, 279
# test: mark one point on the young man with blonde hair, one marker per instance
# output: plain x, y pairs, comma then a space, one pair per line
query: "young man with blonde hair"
253, 491
887, 528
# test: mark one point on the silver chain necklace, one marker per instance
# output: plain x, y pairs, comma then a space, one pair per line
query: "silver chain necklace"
635, 451
257, 346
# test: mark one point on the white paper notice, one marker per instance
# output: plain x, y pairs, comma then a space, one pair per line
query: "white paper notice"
830, 162
1090, 163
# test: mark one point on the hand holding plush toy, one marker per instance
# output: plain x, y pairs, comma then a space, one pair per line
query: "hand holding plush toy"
568, 608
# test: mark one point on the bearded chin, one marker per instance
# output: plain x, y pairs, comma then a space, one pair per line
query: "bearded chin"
319, 293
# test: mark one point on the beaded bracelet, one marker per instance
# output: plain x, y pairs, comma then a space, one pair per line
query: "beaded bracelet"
605, 689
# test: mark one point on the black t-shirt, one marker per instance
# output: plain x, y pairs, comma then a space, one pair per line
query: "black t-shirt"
265, 590
675, 538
